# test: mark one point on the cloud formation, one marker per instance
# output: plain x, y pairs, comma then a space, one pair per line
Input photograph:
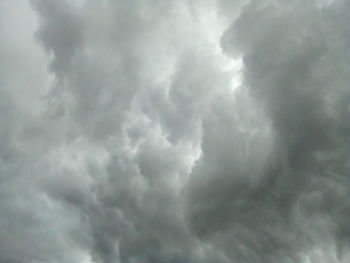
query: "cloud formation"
174, 131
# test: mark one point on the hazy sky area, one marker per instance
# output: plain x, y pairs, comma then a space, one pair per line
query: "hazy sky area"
174, 131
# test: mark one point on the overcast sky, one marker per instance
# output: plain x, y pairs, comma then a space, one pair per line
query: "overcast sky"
174, 131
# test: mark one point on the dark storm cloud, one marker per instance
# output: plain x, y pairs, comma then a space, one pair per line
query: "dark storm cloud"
294, 70
125, 139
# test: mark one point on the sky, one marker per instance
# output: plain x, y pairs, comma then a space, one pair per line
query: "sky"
174, 131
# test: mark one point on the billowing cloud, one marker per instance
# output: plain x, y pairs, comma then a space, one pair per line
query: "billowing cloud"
174, 131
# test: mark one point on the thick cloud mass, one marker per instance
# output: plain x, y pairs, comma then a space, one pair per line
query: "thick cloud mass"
174, 131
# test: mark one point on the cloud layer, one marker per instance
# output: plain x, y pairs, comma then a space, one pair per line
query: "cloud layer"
174, 131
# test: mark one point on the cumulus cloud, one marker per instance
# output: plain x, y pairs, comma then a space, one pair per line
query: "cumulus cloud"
174, 131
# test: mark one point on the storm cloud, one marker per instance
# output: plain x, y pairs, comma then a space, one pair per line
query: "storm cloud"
204, 131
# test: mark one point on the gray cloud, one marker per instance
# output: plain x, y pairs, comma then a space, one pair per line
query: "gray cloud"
291, 56
124, 136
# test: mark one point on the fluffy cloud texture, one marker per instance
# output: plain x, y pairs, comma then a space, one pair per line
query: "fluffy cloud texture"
174, 131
